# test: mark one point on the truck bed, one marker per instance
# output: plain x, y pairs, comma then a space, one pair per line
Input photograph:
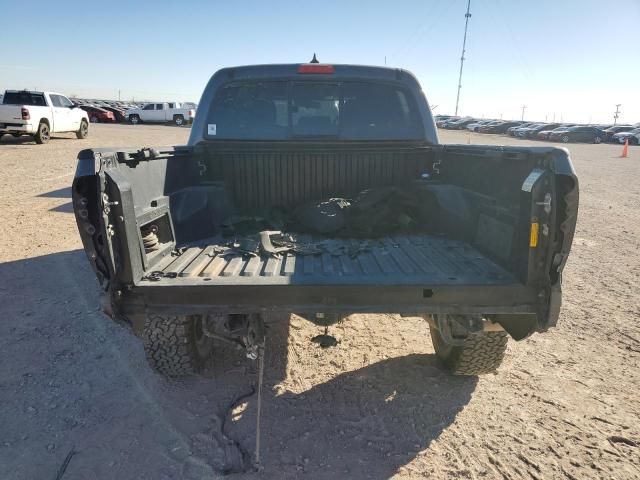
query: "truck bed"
397, 260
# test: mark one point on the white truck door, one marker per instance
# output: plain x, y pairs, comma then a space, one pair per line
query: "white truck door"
61, 115
147, 112
74, 115
163, 110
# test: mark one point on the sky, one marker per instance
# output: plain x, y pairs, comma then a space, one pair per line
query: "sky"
569, 60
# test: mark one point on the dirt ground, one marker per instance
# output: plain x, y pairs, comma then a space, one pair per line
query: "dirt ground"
563, 405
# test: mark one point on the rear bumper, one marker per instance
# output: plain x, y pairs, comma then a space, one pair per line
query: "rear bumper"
489, 299
16, 128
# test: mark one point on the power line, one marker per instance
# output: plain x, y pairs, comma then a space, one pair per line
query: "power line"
467, 16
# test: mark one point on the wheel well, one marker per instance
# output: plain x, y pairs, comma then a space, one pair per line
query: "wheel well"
44, 120
178, 115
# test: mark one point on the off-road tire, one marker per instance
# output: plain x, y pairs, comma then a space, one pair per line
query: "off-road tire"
178, 120
83, 131
175, 344
43, 135
481, 353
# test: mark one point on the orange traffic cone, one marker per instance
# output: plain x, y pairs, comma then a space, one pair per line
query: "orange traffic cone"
625, 149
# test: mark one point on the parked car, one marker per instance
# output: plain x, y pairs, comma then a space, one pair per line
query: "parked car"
473, 126
631, 135
118, 113
611, 131
474, 291
459, 124
520, 131
545, 133
532, 131
161, 112
512, 131
98, 114
578, 134
499, 127
447, 118
40, 114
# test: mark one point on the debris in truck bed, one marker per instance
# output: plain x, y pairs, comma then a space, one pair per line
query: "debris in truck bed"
326, 216
374, 212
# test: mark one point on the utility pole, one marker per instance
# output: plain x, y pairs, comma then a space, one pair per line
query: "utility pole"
524, 107
467, 16
616, 114
118, 94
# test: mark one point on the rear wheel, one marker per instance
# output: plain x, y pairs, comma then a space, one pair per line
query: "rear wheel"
43, 135
175, 345
93, 119
565, 139
478, 353
83, 132
178, 120
134, 119
597, 140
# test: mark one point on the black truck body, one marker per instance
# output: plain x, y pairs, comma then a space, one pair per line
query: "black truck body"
498, 221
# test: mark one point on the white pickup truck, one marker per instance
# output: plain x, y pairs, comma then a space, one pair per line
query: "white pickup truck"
40, 114
162, 112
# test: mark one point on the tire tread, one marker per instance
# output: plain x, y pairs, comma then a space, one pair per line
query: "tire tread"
480, 354
168, 346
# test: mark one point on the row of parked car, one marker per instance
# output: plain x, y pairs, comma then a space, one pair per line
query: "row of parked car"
555, 132
111, 111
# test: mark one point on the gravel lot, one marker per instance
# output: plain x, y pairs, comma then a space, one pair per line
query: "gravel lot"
563, 405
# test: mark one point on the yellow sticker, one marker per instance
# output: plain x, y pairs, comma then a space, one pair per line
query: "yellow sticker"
533, 238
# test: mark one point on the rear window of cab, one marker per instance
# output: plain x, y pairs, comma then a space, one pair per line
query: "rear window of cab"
282, 110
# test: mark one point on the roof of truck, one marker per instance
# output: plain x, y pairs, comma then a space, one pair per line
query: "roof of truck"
339, 71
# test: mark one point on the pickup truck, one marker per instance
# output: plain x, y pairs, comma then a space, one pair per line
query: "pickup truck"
40, 114
162, 112
323, 190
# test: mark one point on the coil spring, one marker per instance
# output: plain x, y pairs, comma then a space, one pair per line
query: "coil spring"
150, 240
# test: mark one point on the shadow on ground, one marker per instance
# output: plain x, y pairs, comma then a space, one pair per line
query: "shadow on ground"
24, 139
64, 192
365, 423
71, 378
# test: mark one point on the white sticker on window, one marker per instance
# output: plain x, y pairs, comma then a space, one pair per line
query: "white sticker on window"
211, 129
